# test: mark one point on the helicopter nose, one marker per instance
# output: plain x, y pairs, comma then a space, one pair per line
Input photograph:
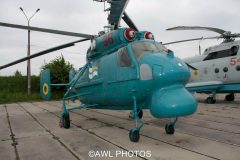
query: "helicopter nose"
167, 70
172, 101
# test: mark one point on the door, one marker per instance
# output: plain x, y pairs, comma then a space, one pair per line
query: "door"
126, 70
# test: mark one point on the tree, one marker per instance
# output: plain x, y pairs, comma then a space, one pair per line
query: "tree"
59, 69
18, 74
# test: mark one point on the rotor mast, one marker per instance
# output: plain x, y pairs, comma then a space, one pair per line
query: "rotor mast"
115, 12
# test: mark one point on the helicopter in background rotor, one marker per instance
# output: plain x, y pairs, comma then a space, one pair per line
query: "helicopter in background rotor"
218, 66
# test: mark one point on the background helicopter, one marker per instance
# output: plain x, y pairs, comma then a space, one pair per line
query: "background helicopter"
218, 67
126, 70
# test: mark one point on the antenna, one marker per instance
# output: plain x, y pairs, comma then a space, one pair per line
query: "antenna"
199, 46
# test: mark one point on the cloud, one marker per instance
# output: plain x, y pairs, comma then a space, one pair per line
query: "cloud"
86, 16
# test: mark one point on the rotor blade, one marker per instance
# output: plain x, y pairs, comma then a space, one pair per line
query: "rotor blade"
129, 22
190, 66
116, 11
47, 30
42, 53
217, 30
194, 39
236, 35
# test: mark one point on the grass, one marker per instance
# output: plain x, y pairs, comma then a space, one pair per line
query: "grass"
14, 89
6, 97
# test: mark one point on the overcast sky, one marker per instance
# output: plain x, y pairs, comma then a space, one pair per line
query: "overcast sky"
87, 16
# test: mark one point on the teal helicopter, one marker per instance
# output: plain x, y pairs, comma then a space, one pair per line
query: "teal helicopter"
126, 69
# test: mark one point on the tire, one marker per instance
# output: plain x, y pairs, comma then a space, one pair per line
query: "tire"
66, 120
229, 97
134, 135
211, 100
169, 129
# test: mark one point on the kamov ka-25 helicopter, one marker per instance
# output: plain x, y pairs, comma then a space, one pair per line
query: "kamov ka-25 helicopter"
126, 69
218, 67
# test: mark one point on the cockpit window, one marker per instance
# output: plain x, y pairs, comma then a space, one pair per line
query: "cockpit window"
124, 59
161, 47
142, 48
223, 53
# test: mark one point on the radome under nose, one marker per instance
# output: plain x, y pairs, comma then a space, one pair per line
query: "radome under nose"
173, 101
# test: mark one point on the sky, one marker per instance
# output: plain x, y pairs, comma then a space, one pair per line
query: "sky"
87, 16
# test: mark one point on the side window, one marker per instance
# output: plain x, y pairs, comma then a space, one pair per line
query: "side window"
223, 53
234, 50
210, 56
124, 59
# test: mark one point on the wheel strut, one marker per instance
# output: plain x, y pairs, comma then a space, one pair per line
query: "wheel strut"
140, 114
134, 132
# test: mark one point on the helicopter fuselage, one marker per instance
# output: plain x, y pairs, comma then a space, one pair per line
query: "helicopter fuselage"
218, 67
139, 69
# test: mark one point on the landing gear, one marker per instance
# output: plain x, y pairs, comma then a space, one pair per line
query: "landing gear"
211, 100
230, 97
169, 127
65, 120
140, 114
136, 114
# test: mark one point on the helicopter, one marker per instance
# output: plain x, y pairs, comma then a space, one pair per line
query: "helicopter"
126, 69
218, 66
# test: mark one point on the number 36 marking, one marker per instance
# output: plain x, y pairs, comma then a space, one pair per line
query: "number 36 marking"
234, 61
108, 40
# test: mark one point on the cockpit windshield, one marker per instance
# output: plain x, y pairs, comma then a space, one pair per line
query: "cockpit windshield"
161, 47
143, 48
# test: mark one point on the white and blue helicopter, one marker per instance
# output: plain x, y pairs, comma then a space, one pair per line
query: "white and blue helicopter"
218, 68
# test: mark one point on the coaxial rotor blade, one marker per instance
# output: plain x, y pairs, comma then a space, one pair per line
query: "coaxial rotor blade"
129, 22
47, 30
217, 30
116, 11
42, 53
193, 39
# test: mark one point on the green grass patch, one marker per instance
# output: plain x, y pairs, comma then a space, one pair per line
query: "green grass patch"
14, 89
6, 97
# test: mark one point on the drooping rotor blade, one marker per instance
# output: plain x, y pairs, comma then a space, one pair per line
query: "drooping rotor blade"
217, 30
117, 8
190, 66
236, 35
193, 39
47, 30
129, 22
42, 53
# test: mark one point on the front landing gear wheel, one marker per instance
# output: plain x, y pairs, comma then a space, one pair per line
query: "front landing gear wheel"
65, 120
134, 135
169, 129
211, 100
